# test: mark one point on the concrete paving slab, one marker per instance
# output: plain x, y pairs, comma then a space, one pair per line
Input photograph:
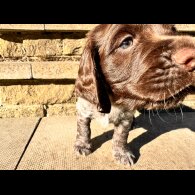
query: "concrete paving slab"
14, 135
165, 142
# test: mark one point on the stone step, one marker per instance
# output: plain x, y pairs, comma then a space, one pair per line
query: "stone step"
68, 27
38, 109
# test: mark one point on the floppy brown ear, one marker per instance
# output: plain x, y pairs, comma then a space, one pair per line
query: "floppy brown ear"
90, 83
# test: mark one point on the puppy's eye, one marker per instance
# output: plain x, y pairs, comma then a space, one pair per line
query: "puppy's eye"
126, 43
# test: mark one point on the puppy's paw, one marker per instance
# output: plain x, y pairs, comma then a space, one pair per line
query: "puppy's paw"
124, 156
82, 148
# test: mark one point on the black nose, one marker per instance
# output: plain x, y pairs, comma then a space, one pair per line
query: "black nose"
185, 57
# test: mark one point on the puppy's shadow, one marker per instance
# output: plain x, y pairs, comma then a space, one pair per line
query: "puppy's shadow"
101, 139
155, 124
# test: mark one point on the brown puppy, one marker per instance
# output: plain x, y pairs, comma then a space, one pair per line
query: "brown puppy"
125, 67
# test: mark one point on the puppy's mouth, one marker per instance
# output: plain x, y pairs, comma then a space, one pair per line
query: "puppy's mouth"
170, 102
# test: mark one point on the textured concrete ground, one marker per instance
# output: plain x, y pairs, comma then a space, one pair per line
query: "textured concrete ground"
159, 143
14, 136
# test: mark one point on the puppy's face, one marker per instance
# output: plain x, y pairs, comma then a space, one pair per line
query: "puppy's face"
141, 66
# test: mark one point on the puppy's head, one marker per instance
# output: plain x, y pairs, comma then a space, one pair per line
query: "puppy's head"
141, 66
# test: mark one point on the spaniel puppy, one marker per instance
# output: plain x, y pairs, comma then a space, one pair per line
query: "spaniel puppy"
125, 67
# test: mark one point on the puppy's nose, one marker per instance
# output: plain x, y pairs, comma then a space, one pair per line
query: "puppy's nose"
185, 57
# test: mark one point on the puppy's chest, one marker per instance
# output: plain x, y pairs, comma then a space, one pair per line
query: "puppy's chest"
117, 114
102, 119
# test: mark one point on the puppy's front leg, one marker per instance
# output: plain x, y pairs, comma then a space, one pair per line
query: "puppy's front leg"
120, 150
83, 145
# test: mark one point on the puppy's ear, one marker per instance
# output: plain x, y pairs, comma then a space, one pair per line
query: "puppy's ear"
90, 83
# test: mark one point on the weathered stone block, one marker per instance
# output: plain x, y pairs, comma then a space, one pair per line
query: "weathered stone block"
73, 46
43, 47
21, 27
69, 27
21, 111
68, 109
31, 93
11, 49
12, 70
55, 70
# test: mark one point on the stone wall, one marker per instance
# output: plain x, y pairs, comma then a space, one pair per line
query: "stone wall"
38, 67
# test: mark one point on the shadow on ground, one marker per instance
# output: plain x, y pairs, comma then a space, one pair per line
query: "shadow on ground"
155, 123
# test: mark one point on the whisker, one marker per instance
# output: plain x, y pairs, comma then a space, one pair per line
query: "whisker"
152, 109
168, 112
171, 93
165, 103
161, 117
150, 118
181, 112
165, 106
